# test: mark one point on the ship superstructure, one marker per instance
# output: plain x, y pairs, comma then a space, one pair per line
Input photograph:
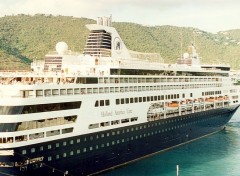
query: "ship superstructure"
81, 114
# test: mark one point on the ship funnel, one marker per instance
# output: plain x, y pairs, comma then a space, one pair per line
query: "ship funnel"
105, 21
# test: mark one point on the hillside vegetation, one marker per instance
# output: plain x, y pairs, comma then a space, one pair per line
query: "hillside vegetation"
24, 38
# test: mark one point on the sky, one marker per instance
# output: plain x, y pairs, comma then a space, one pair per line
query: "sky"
208, 15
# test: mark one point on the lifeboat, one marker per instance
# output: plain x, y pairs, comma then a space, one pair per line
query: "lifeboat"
209, 99
220, 98
172, 105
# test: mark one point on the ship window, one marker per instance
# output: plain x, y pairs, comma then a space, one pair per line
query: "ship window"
78, 140
71, 142
76, 91
134, 119
67, 130
111, 89
21, 138
101, 102
191, 94
136, 99
47, 92
32, 150
78, 151
117, 101
55, 92
24, 152
183, 95
127, 100
64, 143
9, 110
92, 126
57, 157
131, 100
96, 104
114, 122
140, 99
49, 158
144, 99
63, 91
102, 124
148, 98
57, 144
64, 155
125, 120
122, 100
155, 98
107, 102
71, 153
39, 93
49, 146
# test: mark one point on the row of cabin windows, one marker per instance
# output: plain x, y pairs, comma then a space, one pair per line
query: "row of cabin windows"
146, 99
35, 135
34, 124
102, 103
75, 91
122, 140
211, 93
157, 80
114, 122
38, 108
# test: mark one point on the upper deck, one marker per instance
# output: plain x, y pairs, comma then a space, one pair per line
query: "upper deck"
106, 60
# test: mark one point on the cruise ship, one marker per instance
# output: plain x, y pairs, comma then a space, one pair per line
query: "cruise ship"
85, 113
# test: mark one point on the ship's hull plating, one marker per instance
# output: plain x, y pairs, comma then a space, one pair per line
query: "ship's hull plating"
96, 152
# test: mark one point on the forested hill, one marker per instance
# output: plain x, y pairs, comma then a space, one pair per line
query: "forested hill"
24, 38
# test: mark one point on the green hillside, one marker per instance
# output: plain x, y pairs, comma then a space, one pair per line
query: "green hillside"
24, 38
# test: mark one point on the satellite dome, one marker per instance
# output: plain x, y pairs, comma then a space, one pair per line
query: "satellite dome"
61, 47
185, 55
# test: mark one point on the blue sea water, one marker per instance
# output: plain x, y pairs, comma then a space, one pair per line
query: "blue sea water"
215, 155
